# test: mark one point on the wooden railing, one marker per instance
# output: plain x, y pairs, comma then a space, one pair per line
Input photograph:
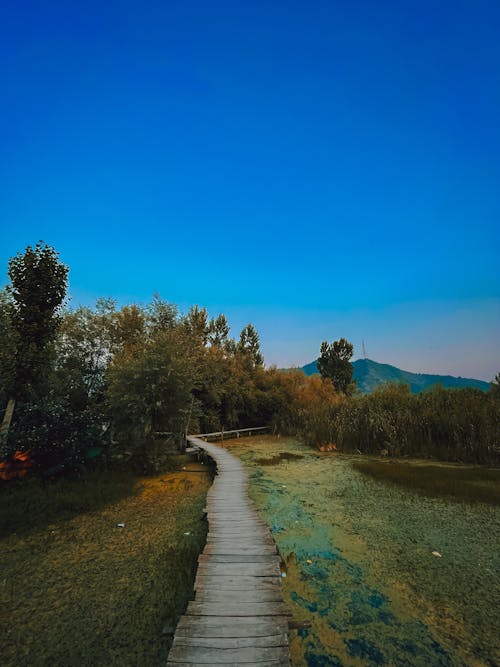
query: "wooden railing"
220, 435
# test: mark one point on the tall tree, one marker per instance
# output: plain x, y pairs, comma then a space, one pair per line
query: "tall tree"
197, 325
334, 363
38, 287
495, 386
7, 349
219, 331
249, 345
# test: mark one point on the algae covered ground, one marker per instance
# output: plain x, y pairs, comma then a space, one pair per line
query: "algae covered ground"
359, 563
77, 588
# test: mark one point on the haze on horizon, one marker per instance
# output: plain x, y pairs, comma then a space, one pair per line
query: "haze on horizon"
319, 169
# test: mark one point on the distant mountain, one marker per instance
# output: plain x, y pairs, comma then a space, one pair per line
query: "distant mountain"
370, 374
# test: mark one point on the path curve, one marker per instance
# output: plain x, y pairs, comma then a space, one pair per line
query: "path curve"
238, 616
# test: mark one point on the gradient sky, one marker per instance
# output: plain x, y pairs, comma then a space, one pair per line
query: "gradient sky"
322, 169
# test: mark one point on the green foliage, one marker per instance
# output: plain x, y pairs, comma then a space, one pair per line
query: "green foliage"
150, 384
495, 387
249, 346
53, 432
448, 424
334, 363
38, 287
85, 343
219, 332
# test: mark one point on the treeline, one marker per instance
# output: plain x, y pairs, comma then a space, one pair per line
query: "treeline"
120, 384
123, 382
447, 424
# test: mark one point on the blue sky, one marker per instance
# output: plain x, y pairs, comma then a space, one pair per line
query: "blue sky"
322, 169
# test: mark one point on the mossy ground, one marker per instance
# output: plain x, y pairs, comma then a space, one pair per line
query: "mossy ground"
77, 589
466, 483
359, 558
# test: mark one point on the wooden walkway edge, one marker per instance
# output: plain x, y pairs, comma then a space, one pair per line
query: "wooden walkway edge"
238, 616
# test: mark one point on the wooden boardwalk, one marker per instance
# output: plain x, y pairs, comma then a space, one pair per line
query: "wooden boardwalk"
238, 616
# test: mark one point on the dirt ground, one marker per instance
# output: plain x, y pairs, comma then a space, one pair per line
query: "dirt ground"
86, 591
360, 567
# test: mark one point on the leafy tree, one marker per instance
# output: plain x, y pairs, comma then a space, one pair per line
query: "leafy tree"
197, 325
149, 390
161, 315
495, 386
38, 287
249, 345
334, 363
85, 344
219, 332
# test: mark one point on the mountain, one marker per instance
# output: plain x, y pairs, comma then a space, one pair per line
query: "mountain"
370, 374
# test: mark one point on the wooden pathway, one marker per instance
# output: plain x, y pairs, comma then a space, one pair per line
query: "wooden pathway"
238, 616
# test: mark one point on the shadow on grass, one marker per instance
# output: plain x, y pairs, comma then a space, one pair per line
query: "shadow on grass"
108, 586
461, 483
30, 505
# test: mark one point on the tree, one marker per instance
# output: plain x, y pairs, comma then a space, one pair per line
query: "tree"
38, 288
219, 331
7, 348
249, 345
149, 390
495, 387
85, 343
197, 325
334, 363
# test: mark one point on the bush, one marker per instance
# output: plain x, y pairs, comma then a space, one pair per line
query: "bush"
448, 424
53, 433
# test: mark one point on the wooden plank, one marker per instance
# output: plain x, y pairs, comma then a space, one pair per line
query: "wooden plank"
241, 608
242, 597
216, 656
280, 639
242, 626
241, 545
216, 549
238, 558
271, 663
239, 569
235, 583
266, 663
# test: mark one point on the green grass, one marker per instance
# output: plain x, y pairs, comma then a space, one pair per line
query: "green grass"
463, 483
278, 458
30, 505
76, 589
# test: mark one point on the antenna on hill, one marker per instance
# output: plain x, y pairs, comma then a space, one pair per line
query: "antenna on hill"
364, 350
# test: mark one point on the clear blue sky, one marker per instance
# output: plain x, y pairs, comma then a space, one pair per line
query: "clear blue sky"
322, 169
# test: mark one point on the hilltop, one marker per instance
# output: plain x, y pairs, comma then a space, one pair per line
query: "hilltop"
370, 374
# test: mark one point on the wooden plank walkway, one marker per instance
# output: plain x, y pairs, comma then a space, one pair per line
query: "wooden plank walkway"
238, 616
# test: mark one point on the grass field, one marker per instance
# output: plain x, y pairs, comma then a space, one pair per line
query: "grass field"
359, 553
466, 483
77, 589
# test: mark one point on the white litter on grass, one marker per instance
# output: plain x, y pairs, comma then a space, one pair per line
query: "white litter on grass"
120, 525
283, 574
436, 554
187, 533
